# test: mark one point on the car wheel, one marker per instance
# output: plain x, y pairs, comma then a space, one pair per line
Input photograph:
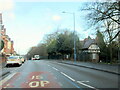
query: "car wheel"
7, 66
20, 64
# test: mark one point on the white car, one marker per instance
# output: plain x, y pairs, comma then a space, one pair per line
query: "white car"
22, 59
13, 60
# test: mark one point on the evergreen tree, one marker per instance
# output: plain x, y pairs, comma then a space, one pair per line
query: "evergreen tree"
102, 46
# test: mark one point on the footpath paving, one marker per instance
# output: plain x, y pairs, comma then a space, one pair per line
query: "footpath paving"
114, 68
3, 71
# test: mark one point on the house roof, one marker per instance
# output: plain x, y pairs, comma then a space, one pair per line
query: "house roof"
88, 43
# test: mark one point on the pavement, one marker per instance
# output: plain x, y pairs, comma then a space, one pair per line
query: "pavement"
3, 70
111, 68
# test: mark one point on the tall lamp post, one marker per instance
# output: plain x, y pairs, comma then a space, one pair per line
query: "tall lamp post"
74, 33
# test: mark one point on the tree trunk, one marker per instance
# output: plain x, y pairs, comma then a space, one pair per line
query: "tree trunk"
119, 47
111, 53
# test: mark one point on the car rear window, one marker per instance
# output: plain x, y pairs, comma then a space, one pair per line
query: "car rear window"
14, 57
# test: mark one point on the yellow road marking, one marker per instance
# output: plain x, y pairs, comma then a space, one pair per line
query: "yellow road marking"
35, 84
37, 77
43, 83
33, 77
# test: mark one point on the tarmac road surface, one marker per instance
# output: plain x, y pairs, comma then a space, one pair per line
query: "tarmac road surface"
51, 74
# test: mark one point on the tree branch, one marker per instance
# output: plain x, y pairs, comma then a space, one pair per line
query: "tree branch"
115, 36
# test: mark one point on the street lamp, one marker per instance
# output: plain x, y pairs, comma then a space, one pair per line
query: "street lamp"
74, 33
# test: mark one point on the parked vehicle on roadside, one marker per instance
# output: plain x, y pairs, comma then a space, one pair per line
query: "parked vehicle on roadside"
13, 60
22, 59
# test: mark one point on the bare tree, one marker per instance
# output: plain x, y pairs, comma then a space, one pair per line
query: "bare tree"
99, 12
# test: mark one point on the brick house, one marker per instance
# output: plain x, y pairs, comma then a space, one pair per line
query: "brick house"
8, 43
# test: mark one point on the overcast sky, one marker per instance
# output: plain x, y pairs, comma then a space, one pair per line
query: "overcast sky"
28, 22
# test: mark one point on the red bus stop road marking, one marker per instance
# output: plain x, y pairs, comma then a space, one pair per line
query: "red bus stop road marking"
10, 82
40, 80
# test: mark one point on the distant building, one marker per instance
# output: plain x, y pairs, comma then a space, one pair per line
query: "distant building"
90, 50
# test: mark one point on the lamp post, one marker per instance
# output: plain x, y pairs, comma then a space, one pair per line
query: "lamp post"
74, 33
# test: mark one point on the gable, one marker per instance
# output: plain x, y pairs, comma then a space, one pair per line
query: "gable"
93, 46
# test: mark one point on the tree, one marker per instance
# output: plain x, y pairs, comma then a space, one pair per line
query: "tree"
102, 45
115, 52
99, 12
50, 42
31, 52
51, 47
57, 44
65, 43
106, 16
40, 49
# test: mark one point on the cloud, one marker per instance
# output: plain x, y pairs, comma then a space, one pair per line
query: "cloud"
6, 5
7, 9
56, 18
49, 28
11, 15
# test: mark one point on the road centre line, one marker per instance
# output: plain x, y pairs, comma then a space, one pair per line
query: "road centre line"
7, 78
84, 81
59, 63
86, 85
55, 68
80, 82
67, 76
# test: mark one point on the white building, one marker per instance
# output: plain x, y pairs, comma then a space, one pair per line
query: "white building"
91, 50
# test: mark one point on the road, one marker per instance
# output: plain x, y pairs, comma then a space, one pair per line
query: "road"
52, 74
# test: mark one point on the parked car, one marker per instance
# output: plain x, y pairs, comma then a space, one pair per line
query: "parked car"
22, 59
13, 60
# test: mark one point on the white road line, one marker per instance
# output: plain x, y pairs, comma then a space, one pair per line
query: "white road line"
48, 65
7, 78
55, 68
59, 63
84, 81
67, 76
8, 84
86, 85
